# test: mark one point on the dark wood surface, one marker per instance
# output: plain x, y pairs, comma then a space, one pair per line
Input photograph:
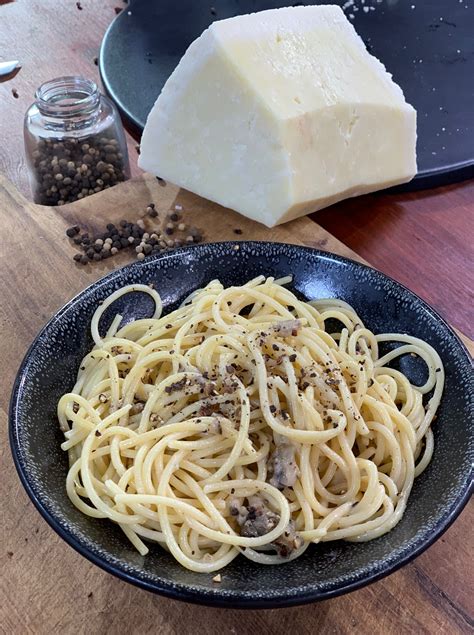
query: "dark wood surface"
48, 588
424, 240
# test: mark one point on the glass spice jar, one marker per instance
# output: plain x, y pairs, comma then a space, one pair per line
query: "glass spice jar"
74, 141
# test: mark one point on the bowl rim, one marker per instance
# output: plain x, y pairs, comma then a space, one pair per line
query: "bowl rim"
220, 598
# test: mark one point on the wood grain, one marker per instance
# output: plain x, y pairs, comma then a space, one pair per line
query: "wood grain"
48, 588
67, 41
425, 240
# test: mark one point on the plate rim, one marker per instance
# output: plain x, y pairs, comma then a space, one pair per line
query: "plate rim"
457, 172
220, 597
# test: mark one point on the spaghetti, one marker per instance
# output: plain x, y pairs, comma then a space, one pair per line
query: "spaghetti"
239, 424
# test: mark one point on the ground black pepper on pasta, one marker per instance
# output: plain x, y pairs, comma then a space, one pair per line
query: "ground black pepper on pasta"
285, 462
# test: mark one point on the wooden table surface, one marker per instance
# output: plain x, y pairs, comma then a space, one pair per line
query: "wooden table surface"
425, 240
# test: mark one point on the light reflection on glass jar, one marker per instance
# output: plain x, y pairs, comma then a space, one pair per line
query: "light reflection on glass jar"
74, 141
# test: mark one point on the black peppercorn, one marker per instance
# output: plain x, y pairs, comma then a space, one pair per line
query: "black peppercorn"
66, 170
72, 231
145, 241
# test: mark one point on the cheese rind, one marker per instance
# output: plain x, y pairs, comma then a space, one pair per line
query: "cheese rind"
278, 114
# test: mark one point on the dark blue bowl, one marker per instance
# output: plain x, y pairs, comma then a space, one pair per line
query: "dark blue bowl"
326, 570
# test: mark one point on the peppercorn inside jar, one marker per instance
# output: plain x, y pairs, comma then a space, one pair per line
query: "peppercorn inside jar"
74, 141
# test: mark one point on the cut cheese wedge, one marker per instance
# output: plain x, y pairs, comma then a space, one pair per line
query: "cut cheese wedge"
280, 113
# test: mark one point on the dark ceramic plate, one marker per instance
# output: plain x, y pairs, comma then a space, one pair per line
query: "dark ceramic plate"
427, 46
329, 569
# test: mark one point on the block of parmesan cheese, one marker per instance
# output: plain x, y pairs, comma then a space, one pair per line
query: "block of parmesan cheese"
280, 113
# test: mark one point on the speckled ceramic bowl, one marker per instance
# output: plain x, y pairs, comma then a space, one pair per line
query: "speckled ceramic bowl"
326, 570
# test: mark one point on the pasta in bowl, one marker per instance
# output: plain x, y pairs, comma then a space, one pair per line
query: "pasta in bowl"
334, 507
239, 423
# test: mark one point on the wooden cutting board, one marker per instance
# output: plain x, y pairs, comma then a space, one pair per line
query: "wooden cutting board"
45, 586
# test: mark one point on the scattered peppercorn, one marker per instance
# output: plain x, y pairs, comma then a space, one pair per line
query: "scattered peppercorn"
72, 231
126, 235
238, 231
15, 93
79, 6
